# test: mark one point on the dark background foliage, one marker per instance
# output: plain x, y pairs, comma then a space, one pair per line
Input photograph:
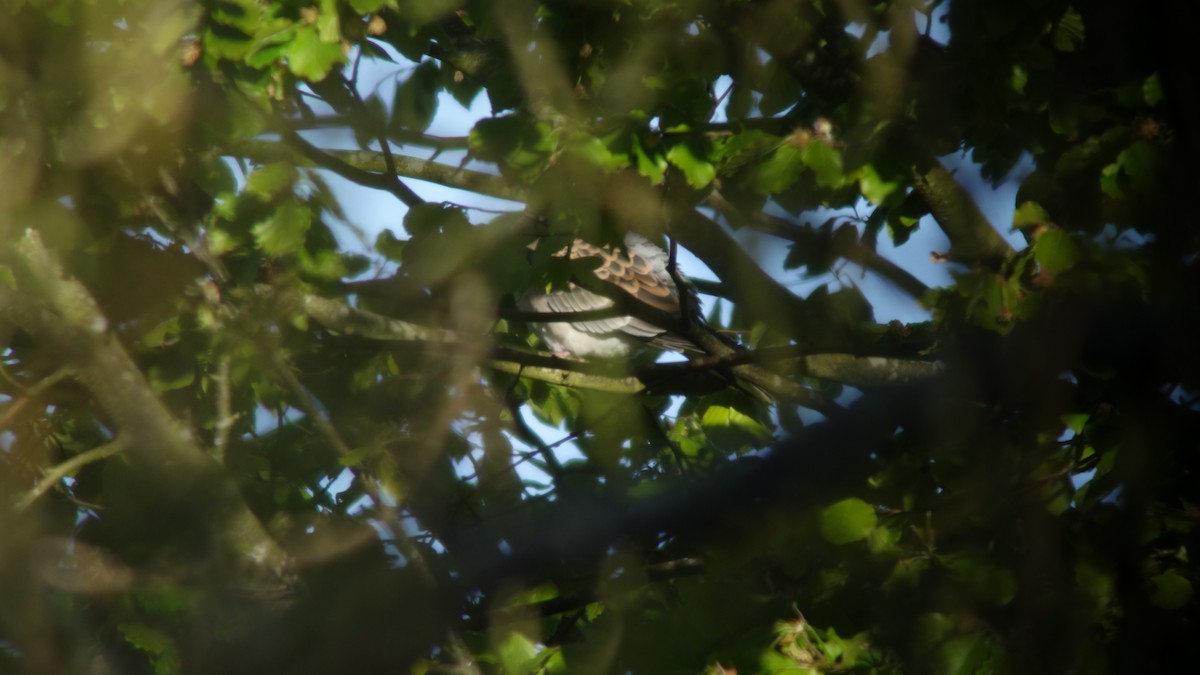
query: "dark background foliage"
235, 439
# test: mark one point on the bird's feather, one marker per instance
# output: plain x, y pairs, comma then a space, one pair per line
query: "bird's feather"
638, 269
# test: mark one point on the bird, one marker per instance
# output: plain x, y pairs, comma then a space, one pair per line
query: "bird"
640, 269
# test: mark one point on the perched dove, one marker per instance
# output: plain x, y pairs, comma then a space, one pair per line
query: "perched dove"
639, 269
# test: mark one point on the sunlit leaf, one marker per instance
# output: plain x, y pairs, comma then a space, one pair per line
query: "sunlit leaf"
311, 58
1055, 251
694, 164
847, 521
284, 230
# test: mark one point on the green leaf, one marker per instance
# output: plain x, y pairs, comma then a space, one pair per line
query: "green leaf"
1110, 180
424, 219
875, 187
693, 162
1140, 163
1018, 79
1152, 91
416, 100
781, 169
517, 141
284, 230
7, 278
884, 540
171, 376
366, 6
1095, 582
268, 55
826, 162
1171, 590
164, 657
965, 655
731, 428
903, 220
1029, 213
985, 580
387, 245
651, 164
518, 654
221, 241
545, 591
324, 263
688, 435
214, 176
1075, 422
329, 26
1069, 33
1056, 251
593, 151
847, 521
268, 181
310, 58
906, 574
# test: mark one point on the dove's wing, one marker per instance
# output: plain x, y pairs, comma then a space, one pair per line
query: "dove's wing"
639, 269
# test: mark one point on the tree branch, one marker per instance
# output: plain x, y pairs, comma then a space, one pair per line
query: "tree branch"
53, 476
853, 251
359, 165
972, 236
71, 323
759, 295
802, 470
404, 136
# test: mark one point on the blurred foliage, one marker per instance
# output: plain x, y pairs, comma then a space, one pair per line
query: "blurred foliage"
230, 443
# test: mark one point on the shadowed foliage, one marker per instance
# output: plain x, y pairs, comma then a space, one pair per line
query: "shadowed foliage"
250, 425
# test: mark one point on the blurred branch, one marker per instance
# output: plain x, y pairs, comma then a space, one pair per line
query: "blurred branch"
568, 378
853, 251
359, 165
404, 136
527, 435
402, 191
316, 412
340, 317
14, 408
226, 418
756, 292
972, 236
71, 323
870, 371
801, 470
384, 180
662, 571
666, 377
67, 468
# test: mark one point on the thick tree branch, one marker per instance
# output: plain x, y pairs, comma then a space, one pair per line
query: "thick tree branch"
666, 378
972, 236
869, 371
70, 322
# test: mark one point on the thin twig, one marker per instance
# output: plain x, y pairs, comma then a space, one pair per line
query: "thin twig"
54, 475
226, 418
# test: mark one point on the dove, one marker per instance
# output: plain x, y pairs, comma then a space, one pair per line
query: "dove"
639, 269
